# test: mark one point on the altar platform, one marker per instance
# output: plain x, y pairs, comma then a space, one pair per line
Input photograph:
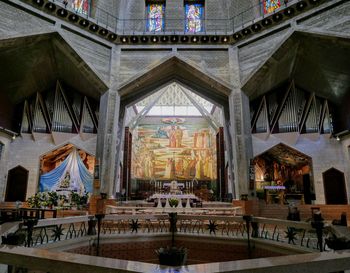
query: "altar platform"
167, 196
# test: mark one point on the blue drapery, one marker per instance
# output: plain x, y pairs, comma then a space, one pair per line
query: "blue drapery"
79, 178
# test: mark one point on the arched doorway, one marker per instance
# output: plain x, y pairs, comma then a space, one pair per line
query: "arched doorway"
334, 187
284, 175
17, 181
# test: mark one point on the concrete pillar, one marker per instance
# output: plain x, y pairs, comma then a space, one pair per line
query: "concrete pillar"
107, 138
242, 148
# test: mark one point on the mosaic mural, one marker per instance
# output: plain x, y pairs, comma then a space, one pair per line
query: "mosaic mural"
174, 149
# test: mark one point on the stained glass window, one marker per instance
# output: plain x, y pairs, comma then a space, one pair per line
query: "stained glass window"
155, 17
271, 5
81, 6
194, 17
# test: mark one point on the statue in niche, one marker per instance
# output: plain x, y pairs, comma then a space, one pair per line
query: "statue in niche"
66, 181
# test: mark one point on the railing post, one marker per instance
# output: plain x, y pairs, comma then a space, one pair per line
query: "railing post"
318, 224
91, 226
248, 220
29, 223
99, 218
173, 229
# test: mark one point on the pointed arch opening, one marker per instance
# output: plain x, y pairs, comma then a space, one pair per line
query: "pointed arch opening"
17, 182
334, 187
174, 130
284, 175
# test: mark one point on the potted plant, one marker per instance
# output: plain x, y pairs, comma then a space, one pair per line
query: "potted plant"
173, 202
34, 201
75, 199
84, 200
52, 199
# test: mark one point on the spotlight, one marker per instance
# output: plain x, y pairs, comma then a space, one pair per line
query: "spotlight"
144, 39
84, 23
214, 39
13, 137
289, 12
194, 39
93, 28
314, 2
246, 31
124, 39
266, 22
134, 39
338, 138
164, 39
73, 18
154, 39
256, 27
174, 39
38, 2
112, 36
184, 39
237, 36
103, 32
301, 5
50, 6
62, 12
277, 17
225, 39
205, 39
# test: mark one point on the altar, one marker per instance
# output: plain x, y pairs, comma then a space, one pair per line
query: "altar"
168, 196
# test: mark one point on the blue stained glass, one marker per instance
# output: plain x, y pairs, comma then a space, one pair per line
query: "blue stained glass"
155, 15
81, 6
271, 5
194, 15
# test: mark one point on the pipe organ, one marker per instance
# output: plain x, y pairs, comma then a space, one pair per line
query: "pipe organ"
290, 109
59, 111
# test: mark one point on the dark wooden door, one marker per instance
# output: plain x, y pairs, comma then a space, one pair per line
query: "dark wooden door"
126, 182
307, 189
334, 187
220, 150
17, 180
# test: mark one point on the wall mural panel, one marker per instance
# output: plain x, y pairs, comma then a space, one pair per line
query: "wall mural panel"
174, 148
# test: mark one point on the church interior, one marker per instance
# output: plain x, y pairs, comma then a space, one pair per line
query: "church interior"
132, 129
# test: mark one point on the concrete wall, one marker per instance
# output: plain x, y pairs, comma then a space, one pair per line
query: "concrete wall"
6, 141
325, 152
14, 22
26, 152
97, 56
220, 15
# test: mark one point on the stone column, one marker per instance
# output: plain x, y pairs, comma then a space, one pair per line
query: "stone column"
240, 128
107, 138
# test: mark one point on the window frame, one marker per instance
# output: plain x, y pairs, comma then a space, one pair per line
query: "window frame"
81, 13
202, 18
155, 2
265, 12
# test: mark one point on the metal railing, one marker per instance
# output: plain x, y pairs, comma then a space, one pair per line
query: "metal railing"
47, 231
129, 26
303, 235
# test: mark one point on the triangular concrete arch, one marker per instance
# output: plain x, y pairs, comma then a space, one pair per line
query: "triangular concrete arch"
284, 146
175, 69
288, 61
61, 61
65, 144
